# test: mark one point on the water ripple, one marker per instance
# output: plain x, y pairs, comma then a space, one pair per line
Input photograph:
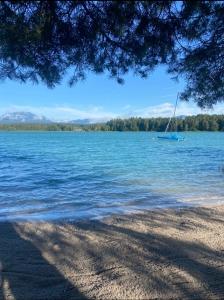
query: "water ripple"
86, 175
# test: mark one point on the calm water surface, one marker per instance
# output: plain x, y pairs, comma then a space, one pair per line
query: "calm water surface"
70, 175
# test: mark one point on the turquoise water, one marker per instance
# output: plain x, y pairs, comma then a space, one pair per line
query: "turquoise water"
70, 175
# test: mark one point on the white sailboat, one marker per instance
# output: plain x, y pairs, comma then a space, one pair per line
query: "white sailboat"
172, 136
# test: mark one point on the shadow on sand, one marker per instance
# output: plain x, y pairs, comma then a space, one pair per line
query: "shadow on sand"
158, 255
25, 274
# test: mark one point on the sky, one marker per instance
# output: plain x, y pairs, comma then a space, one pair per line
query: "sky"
99, 98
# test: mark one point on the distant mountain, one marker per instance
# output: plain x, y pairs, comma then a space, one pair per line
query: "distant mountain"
87, 121
23, 117
80, 122
30, 118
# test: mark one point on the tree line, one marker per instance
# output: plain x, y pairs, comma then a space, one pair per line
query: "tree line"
191, 123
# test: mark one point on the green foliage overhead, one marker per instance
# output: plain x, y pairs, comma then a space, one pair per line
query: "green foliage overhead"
41, 40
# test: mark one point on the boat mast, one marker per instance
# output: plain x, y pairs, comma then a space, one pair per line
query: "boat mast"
174, 114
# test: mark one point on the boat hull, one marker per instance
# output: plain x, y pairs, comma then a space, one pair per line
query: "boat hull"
171, 137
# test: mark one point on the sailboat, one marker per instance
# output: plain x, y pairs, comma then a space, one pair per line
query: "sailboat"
172, 136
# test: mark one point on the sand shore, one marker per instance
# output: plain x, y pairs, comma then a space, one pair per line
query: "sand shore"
162, 254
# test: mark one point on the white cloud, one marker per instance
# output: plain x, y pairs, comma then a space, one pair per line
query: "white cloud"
63, 113
166, 109
98, 113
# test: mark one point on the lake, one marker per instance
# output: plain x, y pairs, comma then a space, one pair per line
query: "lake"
84, 175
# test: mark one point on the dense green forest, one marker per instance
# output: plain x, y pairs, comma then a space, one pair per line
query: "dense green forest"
41, 127
193, 123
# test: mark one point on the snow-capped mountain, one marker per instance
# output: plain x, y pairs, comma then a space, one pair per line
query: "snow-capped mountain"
31, 118
22, 117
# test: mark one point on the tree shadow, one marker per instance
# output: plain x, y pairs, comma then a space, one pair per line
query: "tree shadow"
25, 274
133, 256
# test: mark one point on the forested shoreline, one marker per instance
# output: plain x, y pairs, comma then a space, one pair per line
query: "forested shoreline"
191, 123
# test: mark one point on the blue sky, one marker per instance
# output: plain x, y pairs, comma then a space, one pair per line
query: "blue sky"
99, 97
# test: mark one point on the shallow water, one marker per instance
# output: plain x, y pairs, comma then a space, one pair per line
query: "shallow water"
71, 175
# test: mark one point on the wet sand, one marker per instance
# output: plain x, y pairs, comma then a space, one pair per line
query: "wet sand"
161, 254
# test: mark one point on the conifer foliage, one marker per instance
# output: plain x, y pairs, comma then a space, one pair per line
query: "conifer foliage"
42, 40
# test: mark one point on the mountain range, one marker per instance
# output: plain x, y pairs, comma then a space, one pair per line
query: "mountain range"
30, 118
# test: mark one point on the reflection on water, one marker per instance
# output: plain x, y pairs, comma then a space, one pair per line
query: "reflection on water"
51, 175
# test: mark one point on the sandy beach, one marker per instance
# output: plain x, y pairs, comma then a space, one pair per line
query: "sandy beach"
160, 254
